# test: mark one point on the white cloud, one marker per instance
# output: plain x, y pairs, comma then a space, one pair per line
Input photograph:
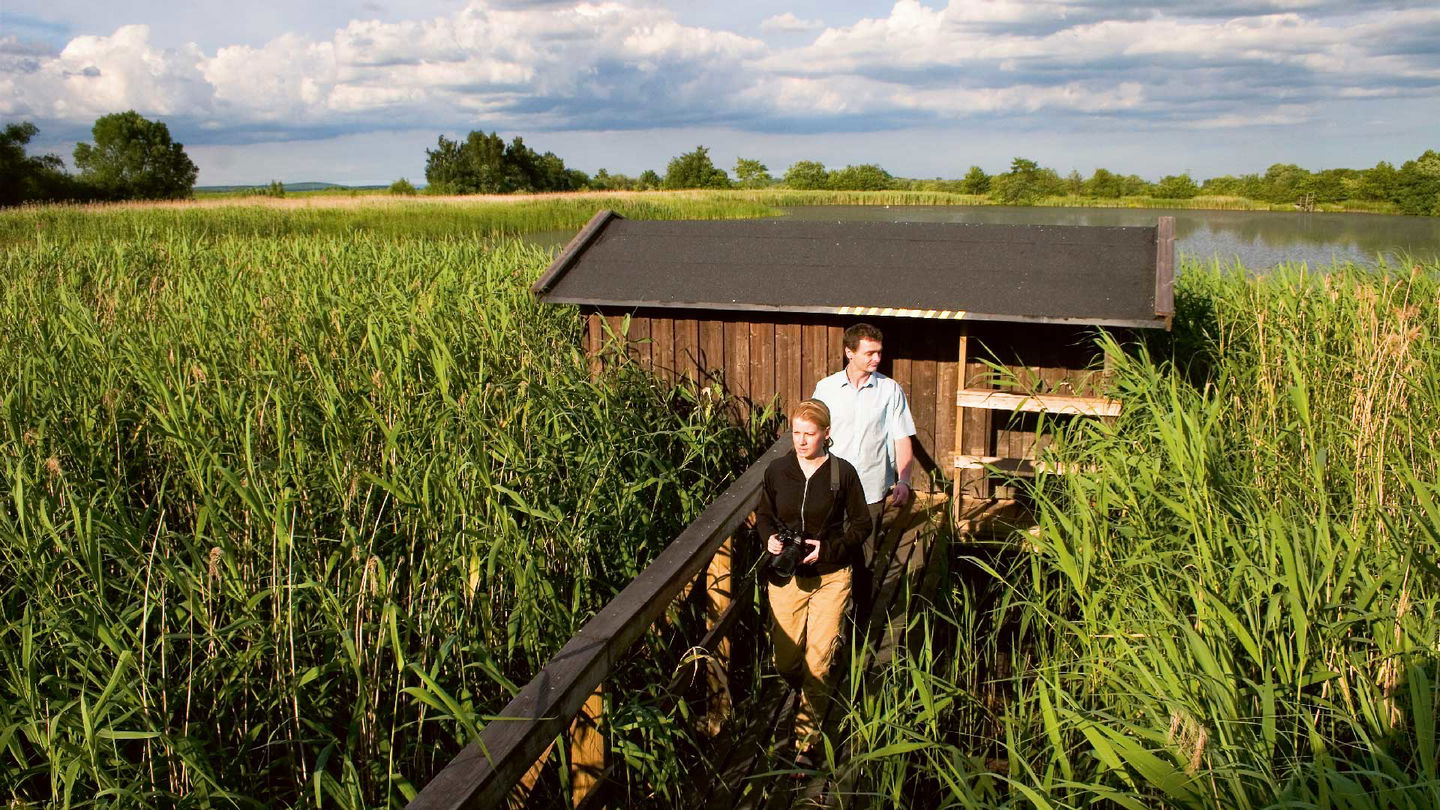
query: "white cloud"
93, 76
623, 64
483, 58
790, 24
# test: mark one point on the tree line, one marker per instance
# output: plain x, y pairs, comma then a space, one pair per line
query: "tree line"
485, 164
135, 158
131, 158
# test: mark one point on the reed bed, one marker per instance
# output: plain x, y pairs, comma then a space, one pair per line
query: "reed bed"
1234, 606
292, 505
403, 218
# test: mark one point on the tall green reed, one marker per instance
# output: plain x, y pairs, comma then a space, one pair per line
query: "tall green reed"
288, 515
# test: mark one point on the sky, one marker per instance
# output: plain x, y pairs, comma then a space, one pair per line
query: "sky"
354, 92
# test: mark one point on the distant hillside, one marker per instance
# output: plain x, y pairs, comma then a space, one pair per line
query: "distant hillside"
289, 187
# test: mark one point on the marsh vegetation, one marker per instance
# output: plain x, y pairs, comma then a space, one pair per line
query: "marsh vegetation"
293, 499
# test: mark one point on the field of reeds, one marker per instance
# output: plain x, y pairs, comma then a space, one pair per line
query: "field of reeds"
1235, 605
396, 217
293, 500
295, 497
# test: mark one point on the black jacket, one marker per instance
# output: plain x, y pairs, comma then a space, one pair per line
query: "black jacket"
841, 521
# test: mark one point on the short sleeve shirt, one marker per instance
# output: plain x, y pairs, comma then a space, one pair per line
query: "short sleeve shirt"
864, 424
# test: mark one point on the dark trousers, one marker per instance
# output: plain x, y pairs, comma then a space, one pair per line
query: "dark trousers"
863, 581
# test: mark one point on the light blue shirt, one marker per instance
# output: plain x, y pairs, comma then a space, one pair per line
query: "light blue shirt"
864, 424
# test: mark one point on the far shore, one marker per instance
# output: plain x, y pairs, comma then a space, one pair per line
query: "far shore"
780, 197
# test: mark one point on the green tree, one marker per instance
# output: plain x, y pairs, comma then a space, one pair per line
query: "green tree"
134, 158
485, 164
865, 177
605, 181
1379, 184
1074, 184
25, 178
1331, 185
976, 181
695, 170
1176, 187
1246, 185
752, 174
403, 187
1104, 184
1133, 185
1283, 183
807, 175
1025, 183
1417, 184
649, 179
444, 168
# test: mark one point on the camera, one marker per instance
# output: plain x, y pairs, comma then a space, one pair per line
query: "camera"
793, 550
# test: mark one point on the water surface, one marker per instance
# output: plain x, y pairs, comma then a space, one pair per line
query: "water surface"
1255, 239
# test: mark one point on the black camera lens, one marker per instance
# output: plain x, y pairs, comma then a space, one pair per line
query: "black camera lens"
791, 553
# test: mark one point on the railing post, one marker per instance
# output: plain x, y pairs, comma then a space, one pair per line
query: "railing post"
587, 749
587, 756
719, 593
521, 792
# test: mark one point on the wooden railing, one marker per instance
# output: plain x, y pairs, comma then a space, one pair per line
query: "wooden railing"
485, 774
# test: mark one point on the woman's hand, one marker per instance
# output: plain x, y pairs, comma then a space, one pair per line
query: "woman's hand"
773, 545
814, 555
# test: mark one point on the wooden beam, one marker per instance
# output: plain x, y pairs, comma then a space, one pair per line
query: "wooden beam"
1165, 269
962, 357
1014, 466
1037, 403
483, 773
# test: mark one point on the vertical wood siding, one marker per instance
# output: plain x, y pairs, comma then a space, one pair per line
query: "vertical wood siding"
764, 359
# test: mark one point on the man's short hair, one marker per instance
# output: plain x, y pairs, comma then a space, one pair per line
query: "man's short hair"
859, 332
813, 411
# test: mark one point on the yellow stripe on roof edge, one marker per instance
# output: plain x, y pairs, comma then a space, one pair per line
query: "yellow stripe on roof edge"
893, 312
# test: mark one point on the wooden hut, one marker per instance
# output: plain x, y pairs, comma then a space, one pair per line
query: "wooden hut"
986, 326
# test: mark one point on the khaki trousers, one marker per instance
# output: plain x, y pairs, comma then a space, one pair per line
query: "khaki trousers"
807, 613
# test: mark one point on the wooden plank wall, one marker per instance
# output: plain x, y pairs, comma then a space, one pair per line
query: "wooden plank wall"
764, 359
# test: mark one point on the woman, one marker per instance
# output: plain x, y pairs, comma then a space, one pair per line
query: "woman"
817, 497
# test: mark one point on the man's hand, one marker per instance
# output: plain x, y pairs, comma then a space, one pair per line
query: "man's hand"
814, 555
773, 545
900, 493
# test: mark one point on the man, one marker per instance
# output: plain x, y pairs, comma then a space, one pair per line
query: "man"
871, 426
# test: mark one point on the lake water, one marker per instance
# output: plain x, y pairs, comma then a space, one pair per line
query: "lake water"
1256, 239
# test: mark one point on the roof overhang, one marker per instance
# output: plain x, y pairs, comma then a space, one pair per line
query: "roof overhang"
1081, 275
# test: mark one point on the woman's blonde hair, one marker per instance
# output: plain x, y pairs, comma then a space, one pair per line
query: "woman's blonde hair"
813, 411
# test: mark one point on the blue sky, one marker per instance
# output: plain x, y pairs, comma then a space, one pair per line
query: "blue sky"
355, 91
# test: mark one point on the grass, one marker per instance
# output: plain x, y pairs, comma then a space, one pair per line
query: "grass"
291, 505
1236, 607
395, 218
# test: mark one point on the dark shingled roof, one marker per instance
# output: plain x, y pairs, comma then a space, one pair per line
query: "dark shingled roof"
1049, 273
